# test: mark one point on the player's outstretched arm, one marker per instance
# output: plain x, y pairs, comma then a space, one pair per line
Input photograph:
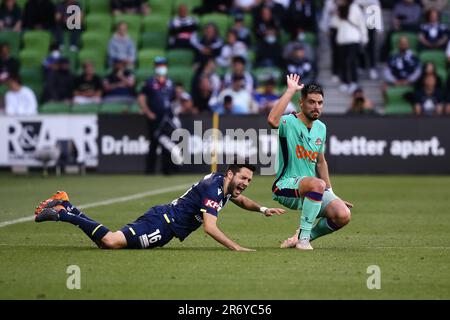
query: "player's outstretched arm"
210, 227
250, 205
279, 108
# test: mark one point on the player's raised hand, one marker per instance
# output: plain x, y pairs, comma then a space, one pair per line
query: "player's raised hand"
293, 82
274, 211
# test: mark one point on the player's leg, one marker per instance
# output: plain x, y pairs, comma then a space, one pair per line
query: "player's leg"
333, 216
312, 190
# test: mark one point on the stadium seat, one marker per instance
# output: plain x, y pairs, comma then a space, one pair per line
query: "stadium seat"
146, 56
154, 40
437, 57
101, 23
54, 107
113, 108
37, 40
180, 57
191, 4
263, 74
412, 37
222, 21
37, 88
13, 39
95, 57
21, 3
135, 108
155, 23
181, 74
99, 6
142, 74
162, 8
85, 108
31, 58
92, 40
396, 101
310, 38
31, 76
132, 20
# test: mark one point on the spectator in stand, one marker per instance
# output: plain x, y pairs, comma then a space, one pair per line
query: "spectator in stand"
403, 68
427, 69
129, 7
119, 85
433, 34
242, 100
59, 82
238, 68
232, 48
39, 14
52, 59
121, 46
407, 15
278, 11
61, 17
361, 105
294, 43
8, 65
328, 25
208, 45
88, 86
301, 16
208, 6
243, 33
207, 69
267, 97
181, 28
202, 94
19, 100
351, 35
10, 16
429, 100
439, 5
299, 64
268, 47
186, 105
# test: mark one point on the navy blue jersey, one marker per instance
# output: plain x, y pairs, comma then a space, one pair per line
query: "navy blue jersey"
186, 213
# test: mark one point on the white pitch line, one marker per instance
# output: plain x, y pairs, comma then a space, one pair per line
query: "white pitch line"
107, 202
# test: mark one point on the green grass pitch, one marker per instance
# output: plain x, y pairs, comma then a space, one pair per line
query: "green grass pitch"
400, 223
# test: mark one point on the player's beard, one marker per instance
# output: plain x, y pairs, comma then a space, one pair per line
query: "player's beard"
312, 117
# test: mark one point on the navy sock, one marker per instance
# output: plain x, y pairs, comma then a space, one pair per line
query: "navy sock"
94, 230
72, 209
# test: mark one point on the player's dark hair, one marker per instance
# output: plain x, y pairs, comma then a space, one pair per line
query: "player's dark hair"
235, 167
311, 88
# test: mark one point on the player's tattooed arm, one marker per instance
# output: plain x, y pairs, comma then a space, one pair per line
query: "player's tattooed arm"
210, 227
292, 87
250, 205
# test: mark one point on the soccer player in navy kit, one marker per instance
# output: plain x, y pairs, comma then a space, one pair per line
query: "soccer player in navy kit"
160, 224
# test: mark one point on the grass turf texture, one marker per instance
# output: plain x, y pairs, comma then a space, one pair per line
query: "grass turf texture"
400, 223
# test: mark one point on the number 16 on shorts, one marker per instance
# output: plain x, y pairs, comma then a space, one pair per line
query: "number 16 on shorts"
149, 239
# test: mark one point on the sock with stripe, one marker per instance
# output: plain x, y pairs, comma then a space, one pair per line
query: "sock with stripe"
94, 230
72, 209
323, 227
310, 210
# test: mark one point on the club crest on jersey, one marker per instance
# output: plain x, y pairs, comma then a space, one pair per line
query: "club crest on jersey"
211, 204
318, 142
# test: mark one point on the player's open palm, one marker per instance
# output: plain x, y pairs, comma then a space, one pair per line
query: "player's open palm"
293, 82
274, 211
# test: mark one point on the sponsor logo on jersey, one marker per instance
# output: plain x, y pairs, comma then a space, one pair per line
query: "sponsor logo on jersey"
302, 153
211, 204
318, 142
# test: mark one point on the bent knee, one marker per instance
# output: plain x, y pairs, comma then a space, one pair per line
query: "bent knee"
112, 241
319, 185
344, 216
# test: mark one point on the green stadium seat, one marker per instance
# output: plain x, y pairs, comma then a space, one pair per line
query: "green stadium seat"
37, 40
91, 40
155, 23
191, 4
163, 8
113, 108
95, 57
31, 76
31, 58
132, 20
263, 74
142, 74
180, 57
154, 40
85, 108
146, 57
396, 101
181, 74
437, 57
134, 108
99, 6
101, 23
222, 21
54, 107
13, 39
21, 3
412, 37
37, 88
310, 38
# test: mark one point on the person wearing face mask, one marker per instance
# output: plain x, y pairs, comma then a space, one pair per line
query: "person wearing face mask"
268, 53
155, 100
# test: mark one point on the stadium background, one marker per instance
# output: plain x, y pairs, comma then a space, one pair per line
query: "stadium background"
400, 222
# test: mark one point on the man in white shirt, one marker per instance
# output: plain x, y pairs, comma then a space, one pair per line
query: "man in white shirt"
19, 100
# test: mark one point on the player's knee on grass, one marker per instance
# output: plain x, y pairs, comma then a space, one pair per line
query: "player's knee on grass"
114, 240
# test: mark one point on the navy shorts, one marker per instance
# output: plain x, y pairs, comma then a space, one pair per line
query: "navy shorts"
149, 230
